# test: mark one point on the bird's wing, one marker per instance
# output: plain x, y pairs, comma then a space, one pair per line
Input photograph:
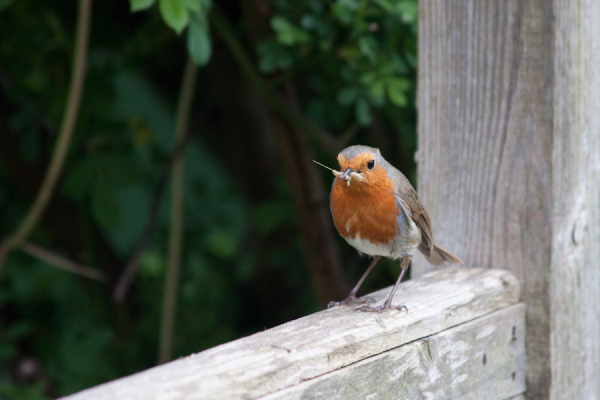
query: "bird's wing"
412, 207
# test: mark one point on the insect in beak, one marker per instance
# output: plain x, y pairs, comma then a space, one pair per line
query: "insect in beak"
347, 175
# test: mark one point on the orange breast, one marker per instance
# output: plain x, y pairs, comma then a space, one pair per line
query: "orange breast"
367, 209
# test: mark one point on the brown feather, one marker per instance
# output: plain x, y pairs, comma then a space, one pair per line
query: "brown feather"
433, 253
438, 256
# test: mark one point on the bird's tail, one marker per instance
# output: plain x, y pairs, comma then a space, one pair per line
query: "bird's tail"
438, 256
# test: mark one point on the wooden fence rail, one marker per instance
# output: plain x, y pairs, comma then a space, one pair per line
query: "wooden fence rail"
463, 337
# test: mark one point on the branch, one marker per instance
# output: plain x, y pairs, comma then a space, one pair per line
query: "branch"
314, 220
176, 228
64, 138
61, 262
144, 241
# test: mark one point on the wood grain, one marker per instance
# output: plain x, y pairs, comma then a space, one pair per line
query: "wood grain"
574, 271
321, 343
508, 165
481, 359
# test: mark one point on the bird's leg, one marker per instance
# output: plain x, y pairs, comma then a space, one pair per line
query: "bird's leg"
352, 296
388, 303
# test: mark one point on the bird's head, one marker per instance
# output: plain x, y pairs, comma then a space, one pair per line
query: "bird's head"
361, 163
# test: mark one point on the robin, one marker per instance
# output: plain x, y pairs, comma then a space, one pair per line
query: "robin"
378, 212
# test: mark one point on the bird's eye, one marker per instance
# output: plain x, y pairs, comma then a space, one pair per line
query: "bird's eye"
371, 164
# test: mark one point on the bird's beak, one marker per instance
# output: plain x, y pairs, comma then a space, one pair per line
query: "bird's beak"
348, 174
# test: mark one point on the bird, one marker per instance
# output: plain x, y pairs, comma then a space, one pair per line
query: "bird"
378, 212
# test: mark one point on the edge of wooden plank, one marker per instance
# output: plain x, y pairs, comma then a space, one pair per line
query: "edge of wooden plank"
322, 342
480, 359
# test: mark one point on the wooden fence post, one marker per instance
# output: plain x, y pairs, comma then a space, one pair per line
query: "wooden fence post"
509, 165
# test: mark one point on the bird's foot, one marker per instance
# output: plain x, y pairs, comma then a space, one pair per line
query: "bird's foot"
382, 308
349, 300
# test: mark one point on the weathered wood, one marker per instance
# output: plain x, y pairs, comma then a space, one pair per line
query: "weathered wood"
509, 165
485, 148
324, 342
481, 359
575, 269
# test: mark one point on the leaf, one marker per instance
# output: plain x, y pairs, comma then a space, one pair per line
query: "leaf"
273, 56
139, 5
408, 10
174, 13
193, 5
79, 179
198, 41
377, 90
362, 111
116, 169
308, 22
113, 170
342, 14
347, 95
353, 5
152, 263
386, 5
105, 209
396, 88
368, 47
5, 4
221, 244
368, 77
287, 33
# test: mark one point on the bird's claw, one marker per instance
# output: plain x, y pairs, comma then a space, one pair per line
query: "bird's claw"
382, 308
349, 300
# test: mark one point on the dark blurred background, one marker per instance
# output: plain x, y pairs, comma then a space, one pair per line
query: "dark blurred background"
279, 83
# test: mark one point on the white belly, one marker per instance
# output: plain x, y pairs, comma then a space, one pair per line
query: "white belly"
376, 249
400, 246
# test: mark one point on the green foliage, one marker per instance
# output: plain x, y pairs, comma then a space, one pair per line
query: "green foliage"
179, 14
175, 13
24, 392
198, 41
286, 33
351, 64
96, 178
5, 4
359, 42
138, 5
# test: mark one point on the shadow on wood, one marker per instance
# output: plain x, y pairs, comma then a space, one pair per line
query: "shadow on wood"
463, 336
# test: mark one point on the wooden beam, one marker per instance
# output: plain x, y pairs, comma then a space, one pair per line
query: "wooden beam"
574, 289
455, 316
509, 165
480, 359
